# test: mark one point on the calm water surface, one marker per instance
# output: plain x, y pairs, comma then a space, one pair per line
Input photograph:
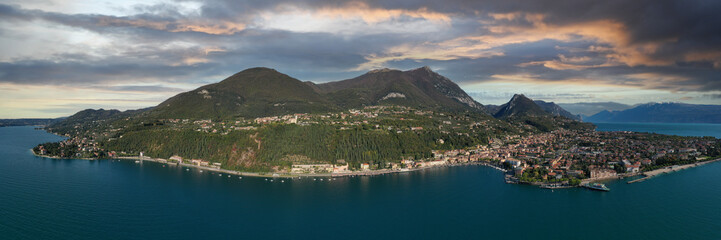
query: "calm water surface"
680, 129
79, 199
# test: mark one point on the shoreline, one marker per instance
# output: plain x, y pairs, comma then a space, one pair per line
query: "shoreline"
278, 175
647, 175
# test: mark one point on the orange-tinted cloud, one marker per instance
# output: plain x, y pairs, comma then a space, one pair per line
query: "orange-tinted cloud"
208, 27
374, 15
621, 50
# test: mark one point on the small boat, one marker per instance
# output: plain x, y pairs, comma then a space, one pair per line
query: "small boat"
240, 177
282, 180
228, 175
596, 186
136, 161
201, 170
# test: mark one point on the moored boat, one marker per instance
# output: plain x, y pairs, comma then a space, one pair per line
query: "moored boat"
596, 186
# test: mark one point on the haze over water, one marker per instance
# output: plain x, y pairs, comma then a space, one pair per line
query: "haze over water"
80, 199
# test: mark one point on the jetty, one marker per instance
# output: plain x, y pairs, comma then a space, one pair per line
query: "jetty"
674, 168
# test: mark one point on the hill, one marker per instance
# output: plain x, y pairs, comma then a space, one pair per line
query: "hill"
519, 106
89, 118
523, 110
556, 110
253, 92
662, 113
421, 88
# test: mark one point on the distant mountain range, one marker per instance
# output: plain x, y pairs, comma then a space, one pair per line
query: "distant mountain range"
260, 92
556, 110
29, 121
662, 113
591, 108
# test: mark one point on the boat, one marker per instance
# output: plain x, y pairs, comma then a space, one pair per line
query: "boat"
596, 186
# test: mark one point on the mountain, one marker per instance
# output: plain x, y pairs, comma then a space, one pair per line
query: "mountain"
662, 113
253, 92
259, 92
521, 109
519, 106
420, 87
590, 108
28, 121
556, 110
89, 116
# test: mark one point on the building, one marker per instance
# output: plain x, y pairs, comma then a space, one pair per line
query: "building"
176, 158
340, 168
312, 168
365, 166
602, 173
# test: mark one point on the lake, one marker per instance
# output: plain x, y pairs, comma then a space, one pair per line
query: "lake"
680, 129
44, 198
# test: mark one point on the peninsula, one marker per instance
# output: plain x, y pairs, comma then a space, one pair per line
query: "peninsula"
260, 122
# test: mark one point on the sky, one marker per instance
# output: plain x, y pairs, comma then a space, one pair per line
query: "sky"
62, 56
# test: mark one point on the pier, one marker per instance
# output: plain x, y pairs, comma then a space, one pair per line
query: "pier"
674, 168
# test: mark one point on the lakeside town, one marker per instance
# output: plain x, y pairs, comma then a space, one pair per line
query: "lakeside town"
559, 158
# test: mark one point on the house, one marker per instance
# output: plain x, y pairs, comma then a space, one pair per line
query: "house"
199, 162
340, 168
176, 158
365, 166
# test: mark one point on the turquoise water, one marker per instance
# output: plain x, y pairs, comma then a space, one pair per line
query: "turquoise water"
79, 199
680, 129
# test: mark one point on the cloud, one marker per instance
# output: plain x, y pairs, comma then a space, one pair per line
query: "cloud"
664, 45
105, 23
713, 96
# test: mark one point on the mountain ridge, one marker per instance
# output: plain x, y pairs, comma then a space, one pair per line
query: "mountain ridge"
260, 92
662, 113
